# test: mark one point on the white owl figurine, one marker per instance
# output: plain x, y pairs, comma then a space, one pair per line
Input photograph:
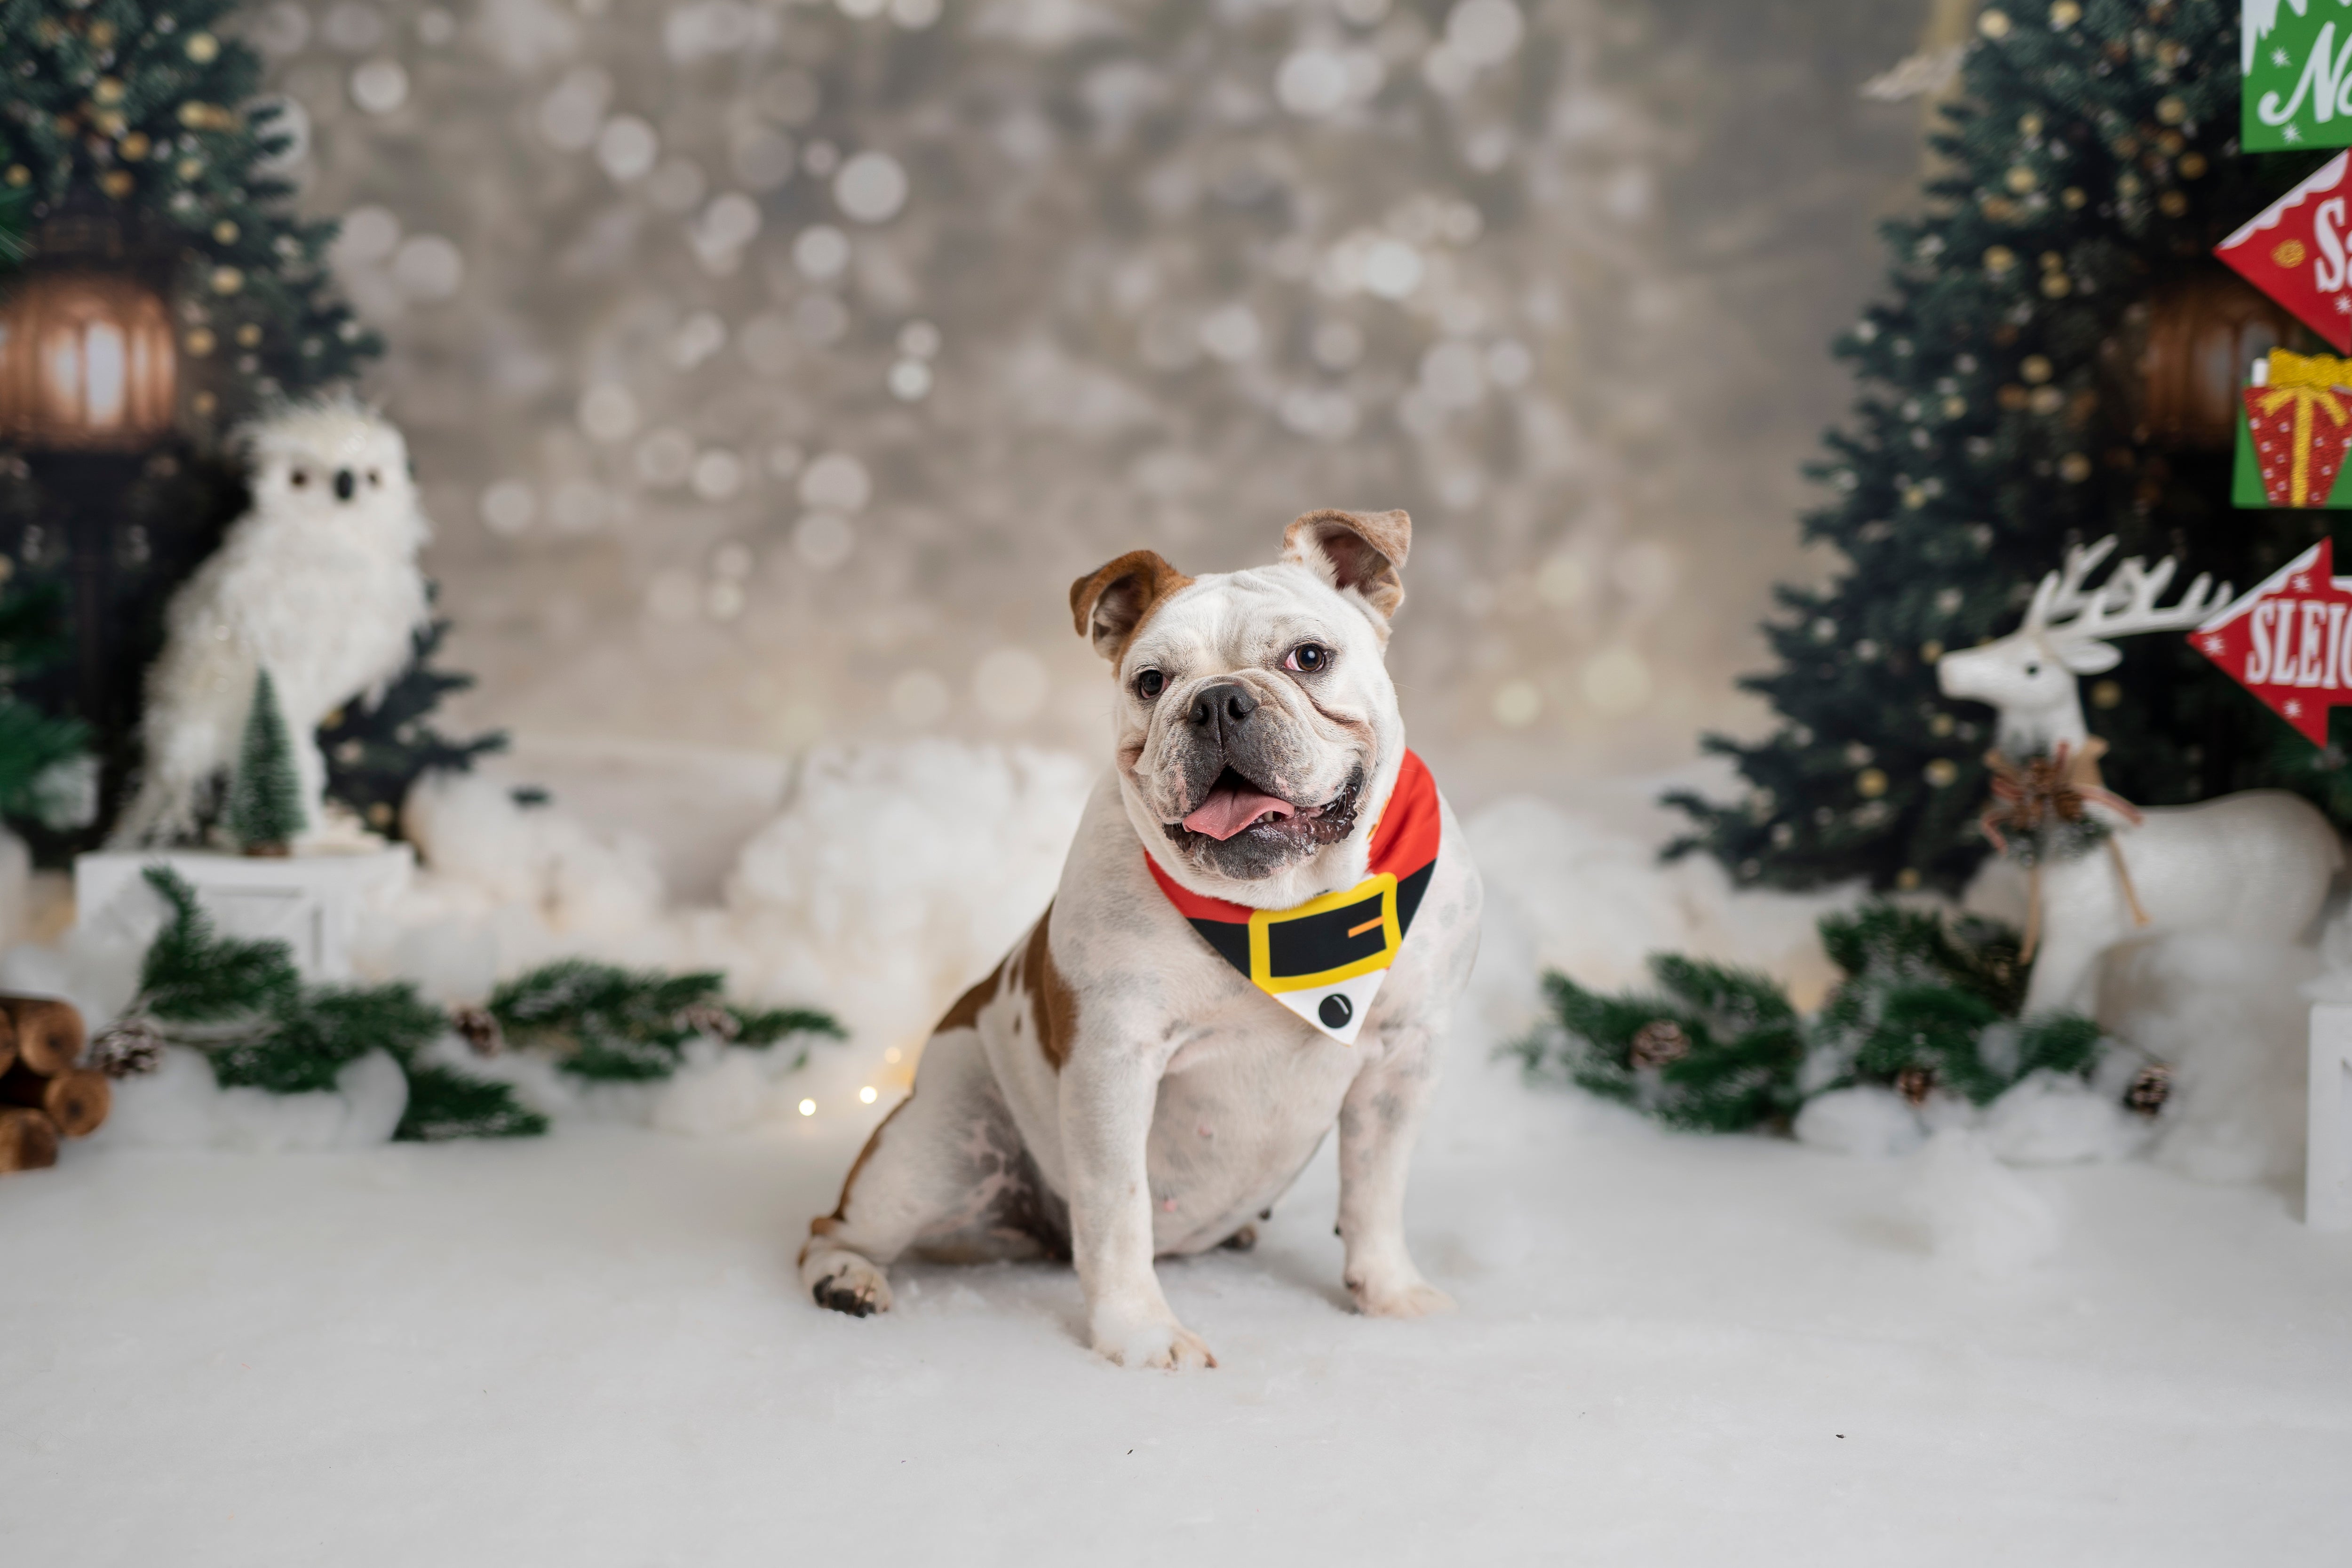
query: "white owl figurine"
318, 584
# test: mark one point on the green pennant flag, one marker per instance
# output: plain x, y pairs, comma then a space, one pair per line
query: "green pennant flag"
2296, 57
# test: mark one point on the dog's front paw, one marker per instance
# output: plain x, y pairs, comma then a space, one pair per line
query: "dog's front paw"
845, 1282
1404, 1295
1149, 1341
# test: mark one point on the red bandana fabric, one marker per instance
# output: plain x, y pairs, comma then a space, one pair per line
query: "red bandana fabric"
1326, 959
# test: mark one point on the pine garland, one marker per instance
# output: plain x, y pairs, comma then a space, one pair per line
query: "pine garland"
1922, 1007
1712, 1049
605, 1023
242, 1004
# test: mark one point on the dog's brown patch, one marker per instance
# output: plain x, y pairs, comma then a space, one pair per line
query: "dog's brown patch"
1052, 1003
826, 1224
1111, 606
964, 1015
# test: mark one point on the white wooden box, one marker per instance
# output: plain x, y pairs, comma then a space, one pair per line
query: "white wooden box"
310, 903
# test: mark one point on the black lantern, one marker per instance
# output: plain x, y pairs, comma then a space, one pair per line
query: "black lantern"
100, 490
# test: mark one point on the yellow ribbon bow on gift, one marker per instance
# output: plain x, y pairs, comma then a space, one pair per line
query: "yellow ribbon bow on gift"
2314, 385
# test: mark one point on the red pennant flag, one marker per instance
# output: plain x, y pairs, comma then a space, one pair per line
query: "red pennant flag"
2294, 252
2287, 641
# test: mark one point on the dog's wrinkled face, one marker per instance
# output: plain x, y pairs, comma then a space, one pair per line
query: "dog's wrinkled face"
1256, 721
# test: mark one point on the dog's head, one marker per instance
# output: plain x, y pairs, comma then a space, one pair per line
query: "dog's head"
1256, 724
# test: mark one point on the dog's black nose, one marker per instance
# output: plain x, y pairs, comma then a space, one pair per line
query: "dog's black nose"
346, 483
1220, 703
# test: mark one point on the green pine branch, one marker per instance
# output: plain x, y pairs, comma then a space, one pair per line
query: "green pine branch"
1709, 1048
603, 1022
377, 751
243, 1004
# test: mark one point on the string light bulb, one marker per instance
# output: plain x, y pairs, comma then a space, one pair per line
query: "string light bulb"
867, 1095
808, 1108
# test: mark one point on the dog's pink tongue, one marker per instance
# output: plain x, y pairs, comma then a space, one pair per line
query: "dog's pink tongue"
1230, 808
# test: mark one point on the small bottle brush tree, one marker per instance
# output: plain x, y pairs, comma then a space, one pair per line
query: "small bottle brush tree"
2059, 274
265, 813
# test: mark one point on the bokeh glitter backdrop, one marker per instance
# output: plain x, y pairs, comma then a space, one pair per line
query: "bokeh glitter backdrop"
772, 368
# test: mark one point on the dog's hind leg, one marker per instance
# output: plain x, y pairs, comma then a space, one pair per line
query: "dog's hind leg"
940, 1165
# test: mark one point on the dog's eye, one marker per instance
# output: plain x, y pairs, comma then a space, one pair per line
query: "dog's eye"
299, 478
1307, 658
1150, 684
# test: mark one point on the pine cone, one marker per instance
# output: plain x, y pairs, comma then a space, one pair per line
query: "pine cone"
1659, 1043
2151, 1088
478, 1027
712, 1019
128, 1047
1916, 1084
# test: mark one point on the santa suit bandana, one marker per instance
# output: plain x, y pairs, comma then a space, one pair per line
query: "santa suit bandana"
1326, 959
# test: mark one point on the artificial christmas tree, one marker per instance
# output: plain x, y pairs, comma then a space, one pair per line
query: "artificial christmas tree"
376, 750
2049, 371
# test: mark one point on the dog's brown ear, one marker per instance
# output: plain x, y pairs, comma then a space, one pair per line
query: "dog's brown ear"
1109, 604
1364, 551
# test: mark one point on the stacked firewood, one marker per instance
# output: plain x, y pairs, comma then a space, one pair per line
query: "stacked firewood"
45, 1093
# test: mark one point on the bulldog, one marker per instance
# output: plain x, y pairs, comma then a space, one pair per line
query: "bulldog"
1260, 930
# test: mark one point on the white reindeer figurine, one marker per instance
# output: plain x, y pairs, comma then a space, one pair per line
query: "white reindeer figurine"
2257, 864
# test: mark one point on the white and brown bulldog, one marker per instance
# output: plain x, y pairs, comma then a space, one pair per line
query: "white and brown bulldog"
1251, 939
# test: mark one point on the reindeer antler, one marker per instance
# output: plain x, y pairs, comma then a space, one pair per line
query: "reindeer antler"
2125, 604
2061, 593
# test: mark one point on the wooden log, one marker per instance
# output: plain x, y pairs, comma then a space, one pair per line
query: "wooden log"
49, 1035
7, 1040
77, 1100
28, 1141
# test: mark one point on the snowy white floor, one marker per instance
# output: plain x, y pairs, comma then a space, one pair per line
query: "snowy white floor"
588, 1351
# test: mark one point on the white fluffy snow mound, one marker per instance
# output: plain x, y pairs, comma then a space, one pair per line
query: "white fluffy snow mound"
2231, 1017
179, 1105
897, 876
1580, 889
1866, 1119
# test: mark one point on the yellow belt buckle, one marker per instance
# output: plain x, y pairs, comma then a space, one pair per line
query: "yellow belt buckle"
1384, 883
